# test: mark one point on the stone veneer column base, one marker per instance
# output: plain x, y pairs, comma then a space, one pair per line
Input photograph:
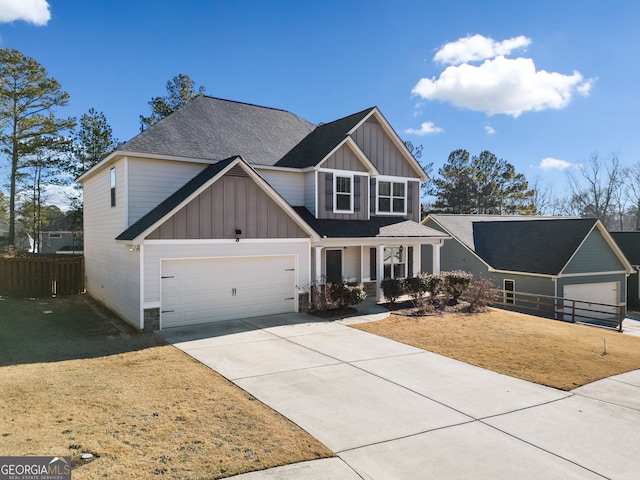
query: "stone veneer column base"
151, 319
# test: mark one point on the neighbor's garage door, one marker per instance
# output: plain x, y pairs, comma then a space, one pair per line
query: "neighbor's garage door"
589, 295
210, 290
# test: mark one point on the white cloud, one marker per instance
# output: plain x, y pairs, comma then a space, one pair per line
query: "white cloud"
554, 164
427, 128
502, 85
490, 130
31, 11
477, 48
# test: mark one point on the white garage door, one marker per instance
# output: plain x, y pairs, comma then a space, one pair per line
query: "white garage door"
210, 290
589, 295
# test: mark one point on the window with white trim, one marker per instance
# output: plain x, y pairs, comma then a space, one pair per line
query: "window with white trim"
343, 196
392, 197
395, 263
509, 292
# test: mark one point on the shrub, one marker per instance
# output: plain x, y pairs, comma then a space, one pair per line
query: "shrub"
480, 294
345, 294
434, 284
318, 295
392, 288
455, 283
416, 287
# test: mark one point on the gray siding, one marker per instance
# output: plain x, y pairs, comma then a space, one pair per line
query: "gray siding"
381, 151
595, 255
233, 202
633, 289
343, 159
325, 199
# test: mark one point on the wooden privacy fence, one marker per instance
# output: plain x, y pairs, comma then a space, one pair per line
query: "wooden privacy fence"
40, 275
566, 309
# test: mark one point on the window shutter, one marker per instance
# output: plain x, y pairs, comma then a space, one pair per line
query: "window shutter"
329, 191
356, 193
410, 261
372, 195
410, 197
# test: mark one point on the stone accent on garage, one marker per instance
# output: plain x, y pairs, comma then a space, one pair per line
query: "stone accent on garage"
151, 319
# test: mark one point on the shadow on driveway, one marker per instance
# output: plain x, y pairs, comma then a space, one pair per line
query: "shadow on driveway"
64, 328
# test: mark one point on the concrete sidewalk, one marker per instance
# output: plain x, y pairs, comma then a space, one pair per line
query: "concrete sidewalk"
391, 411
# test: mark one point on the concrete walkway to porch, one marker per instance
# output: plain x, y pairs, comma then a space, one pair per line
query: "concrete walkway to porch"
391, 411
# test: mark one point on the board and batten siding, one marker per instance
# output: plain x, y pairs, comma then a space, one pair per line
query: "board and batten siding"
234, 202
154, 253
325, 198
382, 151
595, 255
344, 159
152, 181
290, 185
112, 271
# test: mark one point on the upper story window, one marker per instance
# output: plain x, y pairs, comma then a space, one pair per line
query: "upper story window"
112, 182
343, 194
392, 197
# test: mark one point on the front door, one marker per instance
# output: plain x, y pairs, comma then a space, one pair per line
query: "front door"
334, 266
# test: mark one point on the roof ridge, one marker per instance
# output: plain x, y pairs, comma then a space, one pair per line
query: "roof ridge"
246, 103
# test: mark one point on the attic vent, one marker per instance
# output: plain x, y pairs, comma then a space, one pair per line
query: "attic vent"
372, 120
237, 172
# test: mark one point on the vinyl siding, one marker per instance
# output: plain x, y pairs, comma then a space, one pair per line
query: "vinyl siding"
290, 185
152, 181
112, 271
381, 151
174, 250
595, 255
232, 202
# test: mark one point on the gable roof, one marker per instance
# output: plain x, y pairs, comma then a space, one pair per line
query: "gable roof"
521, 243
214, 129
173, 201
374, 227
192, 188
319, 143
536, 246
629, 243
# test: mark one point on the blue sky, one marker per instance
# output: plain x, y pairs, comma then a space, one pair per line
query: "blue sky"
540, 84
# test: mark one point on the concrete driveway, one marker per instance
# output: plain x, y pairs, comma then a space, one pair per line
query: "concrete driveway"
391, 411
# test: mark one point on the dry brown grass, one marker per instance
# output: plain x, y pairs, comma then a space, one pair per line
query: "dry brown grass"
539, 350
145, 411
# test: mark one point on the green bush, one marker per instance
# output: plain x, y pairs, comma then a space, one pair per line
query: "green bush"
345, 294
434, 284
317, 295
392, 288
417, 288
455, 283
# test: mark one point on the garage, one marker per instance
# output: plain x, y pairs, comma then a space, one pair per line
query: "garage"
209, 290
589, 296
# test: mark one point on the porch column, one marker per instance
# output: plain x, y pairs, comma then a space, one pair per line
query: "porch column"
318, 263
417, 259
361, 264
436, 258
380, 266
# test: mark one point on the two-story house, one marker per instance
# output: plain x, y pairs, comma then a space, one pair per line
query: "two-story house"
227, 210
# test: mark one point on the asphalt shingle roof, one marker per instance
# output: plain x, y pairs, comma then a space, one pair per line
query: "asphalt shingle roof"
174, 200
215, 129
629, 243
315, 146
375, 227
519, 243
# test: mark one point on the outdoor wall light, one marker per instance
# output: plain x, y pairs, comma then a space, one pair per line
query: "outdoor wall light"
238, 233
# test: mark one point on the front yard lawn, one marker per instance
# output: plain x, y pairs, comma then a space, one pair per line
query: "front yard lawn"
549, 352
75, 379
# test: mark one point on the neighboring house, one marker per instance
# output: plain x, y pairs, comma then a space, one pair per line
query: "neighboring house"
64, 242
571, 258
225, 210
629, 243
